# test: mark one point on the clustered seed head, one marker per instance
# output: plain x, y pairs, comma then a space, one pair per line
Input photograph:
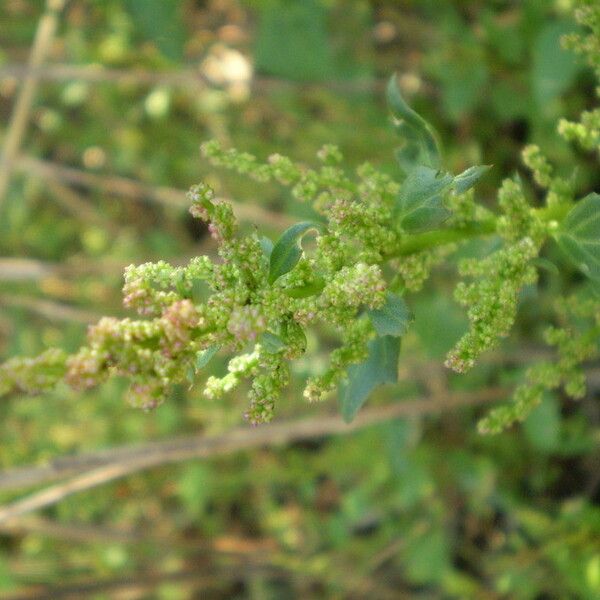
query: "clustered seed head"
233, 304
230, 302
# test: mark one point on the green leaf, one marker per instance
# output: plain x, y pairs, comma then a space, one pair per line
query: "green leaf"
543, 263
271, 343
287, 251
381, 366
579, 236
294, 333
393, 318
420, 201
467, 179
304, 291
267, 246
420, 141
205, 356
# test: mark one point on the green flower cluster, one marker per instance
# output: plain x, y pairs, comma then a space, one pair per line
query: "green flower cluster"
376, 240
574, 346
587, 131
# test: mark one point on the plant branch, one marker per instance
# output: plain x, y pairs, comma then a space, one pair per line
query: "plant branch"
129, 188
441, 237
20, 115
109, 465
51, 310
189, 78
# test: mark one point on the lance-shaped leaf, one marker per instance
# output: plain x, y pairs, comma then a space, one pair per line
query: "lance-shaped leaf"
205, 356
311, 288
579, 236
392, 318
419, 204
420, 141
271, 343
287, 250
381, 366
467, 179
267, 246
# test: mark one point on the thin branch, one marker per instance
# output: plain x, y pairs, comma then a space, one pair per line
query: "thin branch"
25, 269
78, 207
138, 585
96, 73
50, 309
76, 532
103, 467
187, 78
20, 115
129, 188
31, 269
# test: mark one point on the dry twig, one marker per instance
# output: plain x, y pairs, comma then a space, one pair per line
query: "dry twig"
50, 309
103, 467
18, 122
129, 188
189, 78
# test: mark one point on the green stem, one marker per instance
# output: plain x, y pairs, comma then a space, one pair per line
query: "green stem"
430, 239
441, 237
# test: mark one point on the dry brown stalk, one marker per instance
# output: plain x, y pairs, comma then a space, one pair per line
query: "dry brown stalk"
95, 469
22, 108
129, 188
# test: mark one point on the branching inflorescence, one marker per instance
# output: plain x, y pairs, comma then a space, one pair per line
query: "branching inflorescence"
375, 242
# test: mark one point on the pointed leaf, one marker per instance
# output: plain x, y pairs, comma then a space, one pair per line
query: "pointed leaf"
579, 236
393, 318
271, 343
420, 201
287, 251
267, 246
205, 356
547, 265
304, 291
467, 179
420, 141
381, 366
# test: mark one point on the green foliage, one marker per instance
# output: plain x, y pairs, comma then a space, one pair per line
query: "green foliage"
286, 252
393, 318
381, 366
420, 201
204, 357
420, 145
259, 289
418, 506
579, 235
467, 179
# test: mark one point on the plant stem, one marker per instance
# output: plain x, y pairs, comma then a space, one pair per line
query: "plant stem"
430, 239
441, 237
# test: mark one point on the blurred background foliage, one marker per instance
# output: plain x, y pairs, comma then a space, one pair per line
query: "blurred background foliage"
420, 507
